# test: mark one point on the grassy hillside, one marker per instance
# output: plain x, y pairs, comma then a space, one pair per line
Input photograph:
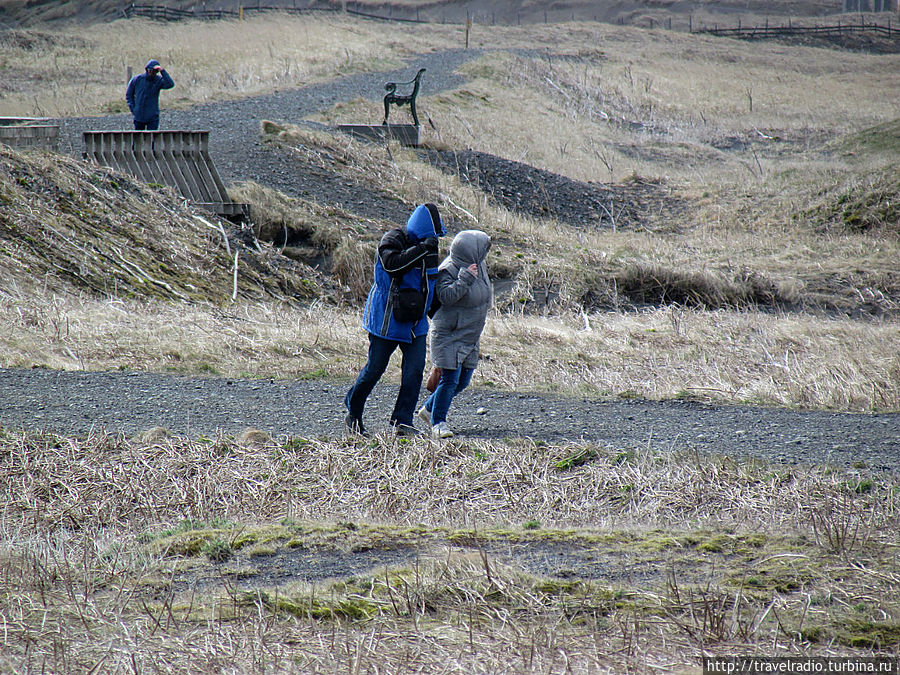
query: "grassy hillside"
775, 284
34, 13
69, 225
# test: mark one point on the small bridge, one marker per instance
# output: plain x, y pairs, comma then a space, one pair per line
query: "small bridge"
179, 159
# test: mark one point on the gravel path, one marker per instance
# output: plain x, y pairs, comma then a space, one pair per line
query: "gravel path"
76, 402
236, 151
234, 139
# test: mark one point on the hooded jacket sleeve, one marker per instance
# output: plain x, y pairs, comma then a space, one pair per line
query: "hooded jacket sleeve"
450, 289
167, 81
398, 255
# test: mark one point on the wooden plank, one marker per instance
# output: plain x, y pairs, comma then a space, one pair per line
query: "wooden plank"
169, 149
186, 160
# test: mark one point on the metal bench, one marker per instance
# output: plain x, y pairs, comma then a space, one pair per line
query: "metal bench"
403, 99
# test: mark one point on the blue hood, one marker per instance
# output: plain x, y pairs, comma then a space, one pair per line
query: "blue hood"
425, 222
152, 63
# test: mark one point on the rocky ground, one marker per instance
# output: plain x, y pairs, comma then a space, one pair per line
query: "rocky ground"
538, 193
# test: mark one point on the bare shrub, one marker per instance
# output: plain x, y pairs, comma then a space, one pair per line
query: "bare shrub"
709, 615
842, 522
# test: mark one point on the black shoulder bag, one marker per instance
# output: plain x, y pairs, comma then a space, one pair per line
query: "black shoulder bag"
408, 304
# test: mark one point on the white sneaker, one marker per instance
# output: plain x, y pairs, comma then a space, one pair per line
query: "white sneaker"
424, 415
441, 430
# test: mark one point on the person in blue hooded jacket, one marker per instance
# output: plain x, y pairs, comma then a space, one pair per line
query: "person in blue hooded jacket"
405, 270
142, 95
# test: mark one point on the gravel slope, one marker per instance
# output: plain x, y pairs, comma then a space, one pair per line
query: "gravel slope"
77, 402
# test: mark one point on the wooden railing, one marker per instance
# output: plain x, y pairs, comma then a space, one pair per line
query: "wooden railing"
164, 13
833, 30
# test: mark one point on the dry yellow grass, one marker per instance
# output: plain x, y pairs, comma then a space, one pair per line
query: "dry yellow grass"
733, 357
69, 331
693, 556
83, 70
101, 536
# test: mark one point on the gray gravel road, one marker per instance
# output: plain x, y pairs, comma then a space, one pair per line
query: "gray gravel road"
76, 402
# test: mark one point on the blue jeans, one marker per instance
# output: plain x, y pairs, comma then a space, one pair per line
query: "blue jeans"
452, 382
411, 368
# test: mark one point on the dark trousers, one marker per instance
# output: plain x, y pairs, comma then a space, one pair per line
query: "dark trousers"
411, 368
148, 125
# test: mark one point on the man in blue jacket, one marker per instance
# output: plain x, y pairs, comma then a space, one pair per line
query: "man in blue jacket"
405, 269
143, 95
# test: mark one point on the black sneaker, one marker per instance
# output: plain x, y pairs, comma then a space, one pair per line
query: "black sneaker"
355, 425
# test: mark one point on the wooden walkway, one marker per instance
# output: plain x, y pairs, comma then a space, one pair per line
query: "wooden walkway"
179, 159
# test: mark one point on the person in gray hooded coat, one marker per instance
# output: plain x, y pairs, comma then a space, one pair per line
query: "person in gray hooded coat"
464, 291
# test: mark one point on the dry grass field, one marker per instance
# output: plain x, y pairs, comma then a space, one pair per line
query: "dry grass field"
509, 12
154, 554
